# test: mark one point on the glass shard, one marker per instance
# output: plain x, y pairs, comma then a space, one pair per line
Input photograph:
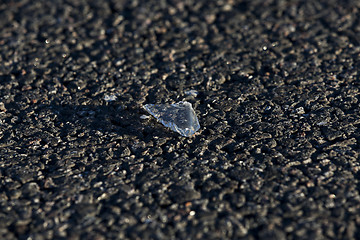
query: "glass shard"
179, 117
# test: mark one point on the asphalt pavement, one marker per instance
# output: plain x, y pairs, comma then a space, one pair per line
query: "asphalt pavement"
274, 84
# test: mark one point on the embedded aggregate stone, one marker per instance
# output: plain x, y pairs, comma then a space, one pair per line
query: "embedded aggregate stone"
277, 98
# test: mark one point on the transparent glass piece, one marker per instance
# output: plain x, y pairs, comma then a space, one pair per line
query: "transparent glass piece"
179, 117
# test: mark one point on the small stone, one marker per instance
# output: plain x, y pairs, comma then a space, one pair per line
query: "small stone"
192, 93
2, 107
300, 110
110, 98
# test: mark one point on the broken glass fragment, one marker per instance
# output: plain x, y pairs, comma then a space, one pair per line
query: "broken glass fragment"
179, 117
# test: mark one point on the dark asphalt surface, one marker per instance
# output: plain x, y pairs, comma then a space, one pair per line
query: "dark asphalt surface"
277, 155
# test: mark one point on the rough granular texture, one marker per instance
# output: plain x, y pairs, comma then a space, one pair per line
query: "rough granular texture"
277, 154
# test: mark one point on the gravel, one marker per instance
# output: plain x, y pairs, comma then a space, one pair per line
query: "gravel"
277, 87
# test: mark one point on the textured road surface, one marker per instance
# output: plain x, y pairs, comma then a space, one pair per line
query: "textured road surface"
277, 155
